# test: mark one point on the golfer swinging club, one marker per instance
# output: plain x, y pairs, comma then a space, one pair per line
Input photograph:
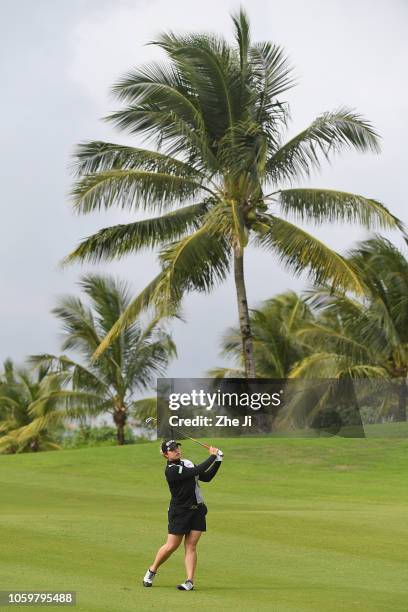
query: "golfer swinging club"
187, 509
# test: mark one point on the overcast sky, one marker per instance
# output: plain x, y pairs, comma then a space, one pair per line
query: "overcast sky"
58, 62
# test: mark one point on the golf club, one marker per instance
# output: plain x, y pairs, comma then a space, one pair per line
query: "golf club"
150, 419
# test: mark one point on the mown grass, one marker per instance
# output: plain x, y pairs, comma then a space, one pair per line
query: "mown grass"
293, 525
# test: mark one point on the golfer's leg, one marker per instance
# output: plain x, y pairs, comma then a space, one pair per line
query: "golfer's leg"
190, 556
164, 552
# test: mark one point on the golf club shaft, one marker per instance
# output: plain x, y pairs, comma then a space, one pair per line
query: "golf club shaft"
182, 434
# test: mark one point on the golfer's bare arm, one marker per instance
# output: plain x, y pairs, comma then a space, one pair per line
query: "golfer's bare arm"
177, 472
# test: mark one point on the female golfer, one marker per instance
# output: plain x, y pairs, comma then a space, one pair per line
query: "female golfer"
187, 509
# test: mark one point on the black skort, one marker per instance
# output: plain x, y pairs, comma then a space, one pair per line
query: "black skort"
184, 520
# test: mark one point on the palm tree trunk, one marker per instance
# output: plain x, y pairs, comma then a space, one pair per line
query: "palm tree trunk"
119, 417
402, 401
244, 321
34, 446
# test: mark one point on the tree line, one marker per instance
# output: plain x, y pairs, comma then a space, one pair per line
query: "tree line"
321, 333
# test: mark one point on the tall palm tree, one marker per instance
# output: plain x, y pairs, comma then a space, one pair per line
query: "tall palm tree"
130, 364
221, 176
22, 393
277, 348
366, 338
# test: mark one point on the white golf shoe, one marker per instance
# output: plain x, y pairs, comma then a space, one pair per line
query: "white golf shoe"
148, 578
186, 586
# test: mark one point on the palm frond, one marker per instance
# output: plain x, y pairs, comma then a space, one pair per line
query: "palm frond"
53, 363
325, 337
300, 251
147, 362
81, 377
206, 63
271, 71
366, 371
78, 324
143, 301
9, 371
133, 189
329, 133
109, 297
242, 37
120, 240
97, 156
197, 262
366, 323
328, 205
163, 104
143, 408
158, 86
63, 404
335, 303
320, 365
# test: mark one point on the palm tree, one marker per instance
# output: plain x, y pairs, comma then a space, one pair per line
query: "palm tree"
221, 176
130, 364
22, 394
365, 338
277, 348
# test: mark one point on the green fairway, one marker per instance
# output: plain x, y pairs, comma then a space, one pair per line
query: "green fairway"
293, 525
